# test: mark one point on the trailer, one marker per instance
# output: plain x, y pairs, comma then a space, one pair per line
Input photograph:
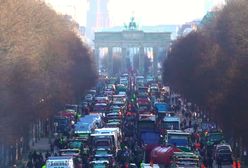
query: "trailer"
162, 155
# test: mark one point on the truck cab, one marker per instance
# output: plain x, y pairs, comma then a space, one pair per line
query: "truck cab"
170, 123
106, 141
179, 139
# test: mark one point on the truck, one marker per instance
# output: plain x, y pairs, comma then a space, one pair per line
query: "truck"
115, 131
146, 127
84, 127
121, 88
161, 108
170, 123
62, 124
106, 141
148, 133
154, 91
212, 137
180, 139
139, 81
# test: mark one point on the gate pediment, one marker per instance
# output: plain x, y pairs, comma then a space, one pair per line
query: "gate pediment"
132, 35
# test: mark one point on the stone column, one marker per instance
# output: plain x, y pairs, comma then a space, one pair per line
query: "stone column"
110, 61
155, 61
141, 60
124, 59
96, 54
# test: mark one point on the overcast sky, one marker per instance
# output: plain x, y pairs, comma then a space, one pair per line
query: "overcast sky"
146, 12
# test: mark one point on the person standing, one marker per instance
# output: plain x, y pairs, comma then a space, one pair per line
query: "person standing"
29, 164
218, 161
210, 162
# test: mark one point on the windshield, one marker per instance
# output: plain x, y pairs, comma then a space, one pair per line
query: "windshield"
162, 107
215, 137
144, 108
73, 107
102, 143
69, 152
61, 121
149, 125
99, 165
224, 151
178, 140
143, 90
171, 125
100, 108
153, 90
75, 144
118, 99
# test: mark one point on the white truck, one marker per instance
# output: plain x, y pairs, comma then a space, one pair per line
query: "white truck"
107, 141
116, 131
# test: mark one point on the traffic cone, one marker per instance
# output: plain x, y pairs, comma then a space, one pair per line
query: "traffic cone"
238, 164
234, 164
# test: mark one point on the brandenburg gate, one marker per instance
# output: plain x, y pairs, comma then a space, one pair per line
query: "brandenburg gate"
132, 38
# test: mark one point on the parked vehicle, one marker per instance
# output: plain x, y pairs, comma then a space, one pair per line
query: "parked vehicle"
223, 153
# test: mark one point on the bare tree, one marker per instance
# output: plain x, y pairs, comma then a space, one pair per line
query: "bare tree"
43, 65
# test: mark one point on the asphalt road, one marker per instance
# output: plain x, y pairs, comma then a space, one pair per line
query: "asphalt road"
224, 166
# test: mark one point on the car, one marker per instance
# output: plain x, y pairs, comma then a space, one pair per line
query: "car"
92, 92
89, 98
223, 152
